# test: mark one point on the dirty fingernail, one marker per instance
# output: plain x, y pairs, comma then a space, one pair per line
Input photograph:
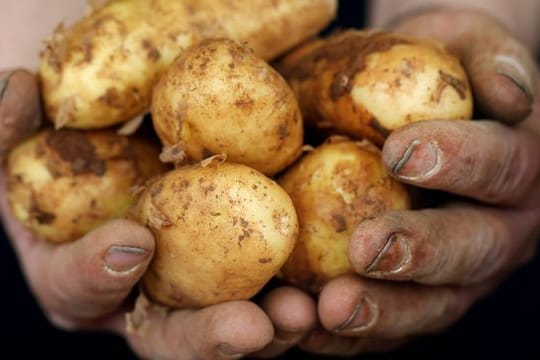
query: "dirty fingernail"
122, 259
317, 338
420, 160
283, 337
4, 81
229, 352
362, 317
524, 89
511, 68
392, 257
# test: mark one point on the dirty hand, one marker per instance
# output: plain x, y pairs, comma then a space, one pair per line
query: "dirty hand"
419, 271
91, 283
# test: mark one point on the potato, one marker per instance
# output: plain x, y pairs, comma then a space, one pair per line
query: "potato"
20, 108
222, 231
333, 189
219, 97
369, 83
100, 71
62, 184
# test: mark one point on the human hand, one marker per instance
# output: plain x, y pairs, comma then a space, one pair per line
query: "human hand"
91, 283
429, 266
20, 108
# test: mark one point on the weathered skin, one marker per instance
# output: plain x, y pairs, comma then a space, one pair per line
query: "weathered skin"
219, 97
20, 108
100, 71
222, 231
369, 83
62, 184
333, 189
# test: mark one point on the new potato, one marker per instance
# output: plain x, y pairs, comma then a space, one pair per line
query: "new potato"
219, 97
333, 189
101, 70
369, 83
62, 184
222, 231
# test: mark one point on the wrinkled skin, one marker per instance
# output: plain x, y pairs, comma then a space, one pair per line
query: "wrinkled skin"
437, 262
86, 285
497, 233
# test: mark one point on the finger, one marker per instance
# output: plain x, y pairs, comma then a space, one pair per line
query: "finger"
479, 159
453, 245
78, 282
92, 276
323, 342
294, 315
81, 282
225, 331
20, 108
501, 70
352, 306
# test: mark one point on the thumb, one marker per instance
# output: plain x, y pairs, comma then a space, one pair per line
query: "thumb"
80, 283
501, 70
20, 108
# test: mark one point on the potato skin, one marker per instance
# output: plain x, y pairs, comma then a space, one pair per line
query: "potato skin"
62, 184
222, 231
219, 97
333, 189
369, 83
101, 71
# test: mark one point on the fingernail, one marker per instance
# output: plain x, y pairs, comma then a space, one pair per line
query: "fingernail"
362, 317
392, 257
122, 259
283, 337
4, 81
509, 67
229, 352
420, 160
317, 338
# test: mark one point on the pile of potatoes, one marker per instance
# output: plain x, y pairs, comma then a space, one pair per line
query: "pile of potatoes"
226, 178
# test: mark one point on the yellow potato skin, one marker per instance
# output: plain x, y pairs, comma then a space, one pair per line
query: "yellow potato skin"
100, 71
222, 231
369, 83
62, 184
333, 189
219, 97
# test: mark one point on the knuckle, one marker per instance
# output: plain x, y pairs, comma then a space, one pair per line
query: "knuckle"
426, 258
448, 307
513, 173
492, 253
507, 175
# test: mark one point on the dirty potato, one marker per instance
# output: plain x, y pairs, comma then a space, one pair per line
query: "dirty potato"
333, 189
222, 231
62, 184
219, 97
368, 83
101, 70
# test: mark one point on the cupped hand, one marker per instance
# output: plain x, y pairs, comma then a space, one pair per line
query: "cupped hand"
91, 283
419, 271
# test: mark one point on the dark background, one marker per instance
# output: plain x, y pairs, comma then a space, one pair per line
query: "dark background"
504, 325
